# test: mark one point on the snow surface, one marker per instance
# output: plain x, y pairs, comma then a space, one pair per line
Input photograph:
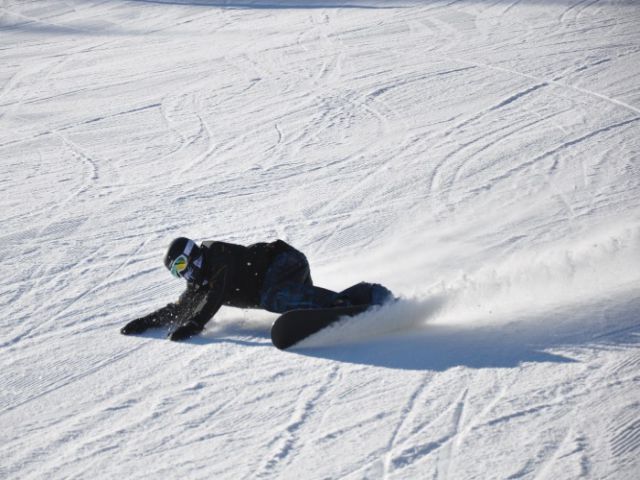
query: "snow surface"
482, 159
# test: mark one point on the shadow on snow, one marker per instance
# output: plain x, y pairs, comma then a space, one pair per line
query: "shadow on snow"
402, 337
540, 338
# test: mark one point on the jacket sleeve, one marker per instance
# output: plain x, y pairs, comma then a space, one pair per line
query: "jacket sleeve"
209, 301
175, 312
171, 314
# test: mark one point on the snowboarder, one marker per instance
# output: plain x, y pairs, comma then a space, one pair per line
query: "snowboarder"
271, 276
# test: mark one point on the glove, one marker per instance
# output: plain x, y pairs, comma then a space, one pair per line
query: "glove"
138, 325
185, 331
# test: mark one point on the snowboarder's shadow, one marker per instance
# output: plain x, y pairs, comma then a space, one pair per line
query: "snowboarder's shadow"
553, 337
557, 336
438, 349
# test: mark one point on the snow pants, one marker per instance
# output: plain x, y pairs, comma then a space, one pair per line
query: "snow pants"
288, 286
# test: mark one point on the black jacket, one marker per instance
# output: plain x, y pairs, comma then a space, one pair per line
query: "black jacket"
234, 276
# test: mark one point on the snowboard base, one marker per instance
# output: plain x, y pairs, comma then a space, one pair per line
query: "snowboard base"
296, 325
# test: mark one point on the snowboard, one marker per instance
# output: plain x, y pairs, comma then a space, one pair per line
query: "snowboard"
296, 325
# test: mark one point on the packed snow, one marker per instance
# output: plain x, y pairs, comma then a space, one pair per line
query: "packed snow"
481, 159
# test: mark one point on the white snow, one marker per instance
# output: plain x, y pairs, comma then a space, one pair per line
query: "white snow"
482, 159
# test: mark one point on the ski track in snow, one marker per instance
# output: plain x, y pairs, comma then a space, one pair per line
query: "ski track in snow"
480, 159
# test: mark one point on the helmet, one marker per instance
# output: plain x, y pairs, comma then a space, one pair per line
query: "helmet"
184, 259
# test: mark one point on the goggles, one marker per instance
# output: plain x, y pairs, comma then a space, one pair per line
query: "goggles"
179, 266
183, 267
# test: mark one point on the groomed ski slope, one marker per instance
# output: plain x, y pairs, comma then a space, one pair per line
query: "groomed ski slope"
482, 159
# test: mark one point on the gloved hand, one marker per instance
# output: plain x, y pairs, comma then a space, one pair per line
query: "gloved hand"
185, 331
138, 325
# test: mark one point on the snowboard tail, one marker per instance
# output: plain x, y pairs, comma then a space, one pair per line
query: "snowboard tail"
296, 325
